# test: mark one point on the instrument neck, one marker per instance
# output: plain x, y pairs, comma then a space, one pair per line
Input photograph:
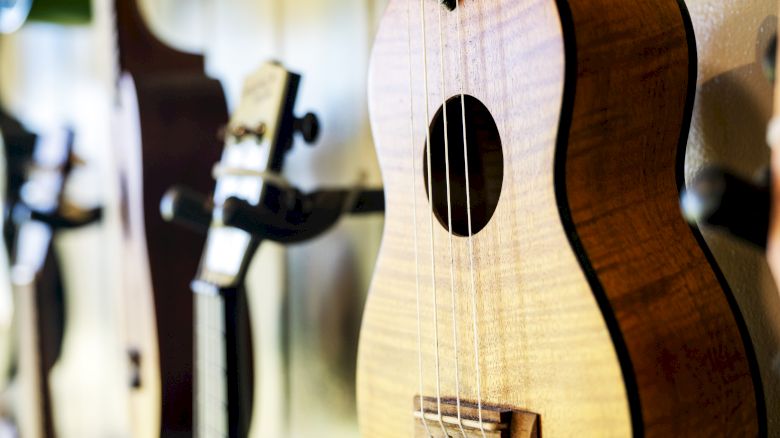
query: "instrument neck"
35, 286
220, 410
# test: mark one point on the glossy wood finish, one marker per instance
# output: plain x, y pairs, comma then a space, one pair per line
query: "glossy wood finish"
543, 343
590, 98
141, 52
690, 356
178, 112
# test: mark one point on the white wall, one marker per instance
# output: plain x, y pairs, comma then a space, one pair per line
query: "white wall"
733, 106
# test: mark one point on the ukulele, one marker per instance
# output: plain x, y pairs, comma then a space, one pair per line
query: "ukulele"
535, 275
168, 114
257, 138
252, 203
18, 147
36, 340
38, 211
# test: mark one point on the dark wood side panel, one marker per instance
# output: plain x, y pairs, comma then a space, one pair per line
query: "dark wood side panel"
180, 116
50, 311
678, 337
140, 52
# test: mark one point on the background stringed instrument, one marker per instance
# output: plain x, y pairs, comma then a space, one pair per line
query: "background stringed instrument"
252, 203
570, 298
169, 115
37, 287
312, 343
257, 138
39, 211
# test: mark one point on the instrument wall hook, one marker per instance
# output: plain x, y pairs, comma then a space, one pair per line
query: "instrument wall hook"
289, 216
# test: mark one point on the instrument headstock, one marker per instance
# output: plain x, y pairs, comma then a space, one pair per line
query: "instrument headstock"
41, 193
256, 139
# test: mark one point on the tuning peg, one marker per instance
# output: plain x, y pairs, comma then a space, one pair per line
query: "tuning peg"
76, 160
308, 126
186, 207
241, 131
222, 134
717, 198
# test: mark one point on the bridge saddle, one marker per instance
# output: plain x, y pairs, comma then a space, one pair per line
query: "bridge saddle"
497, 422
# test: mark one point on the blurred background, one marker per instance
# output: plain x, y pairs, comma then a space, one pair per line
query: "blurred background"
306, 300
55, 74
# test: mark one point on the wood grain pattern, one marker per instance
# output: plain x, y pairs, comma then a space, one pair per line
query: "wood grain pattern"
689, 351
545, 346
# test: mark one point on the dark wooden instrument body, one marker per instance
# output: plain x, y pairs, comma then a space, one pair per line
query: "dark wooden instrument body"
50, 310
180, 113
686, 355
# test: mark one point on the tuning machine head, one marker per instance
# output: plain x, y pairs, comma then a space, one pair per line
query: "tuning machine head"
242, 131
309, 127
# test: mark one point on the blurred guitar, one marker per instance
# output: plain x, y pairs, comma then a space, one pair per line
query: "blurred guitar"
535, 276
258, 137
37, 209
168, 115
35, 178
252, 203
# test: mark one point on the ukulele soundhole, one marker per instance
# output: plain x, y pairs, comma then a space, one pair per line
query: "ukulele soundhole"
485, 165
497, 422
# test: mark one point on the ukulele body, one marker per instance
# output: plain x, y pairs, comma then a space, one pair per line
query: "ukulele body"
597, 311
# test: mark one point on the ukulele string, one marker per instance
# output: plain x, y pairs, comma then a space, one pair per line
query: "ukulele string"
468, 220
209, 363
414, 214
201, 390
210, 394
449, 220
212, 383
209, 360
430, 217
206, 383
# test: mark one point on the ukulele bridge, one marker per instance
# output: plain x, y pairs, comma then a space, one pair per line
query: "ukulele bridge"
497, 422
